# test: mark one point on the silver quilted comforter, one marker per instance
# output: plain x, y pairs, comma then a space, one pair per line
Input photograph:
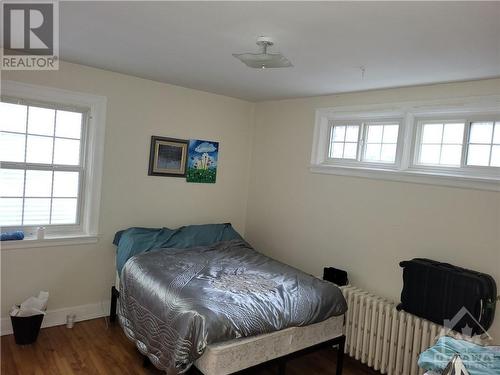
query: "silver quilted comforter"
173, 303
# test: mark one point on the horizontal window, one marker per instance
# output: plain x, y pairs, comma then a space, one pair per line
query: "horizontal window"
459, 145
363, 142
441, 144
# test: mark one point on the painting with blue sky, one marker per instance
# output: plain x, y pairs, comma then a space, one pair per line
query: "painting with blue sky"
202, 161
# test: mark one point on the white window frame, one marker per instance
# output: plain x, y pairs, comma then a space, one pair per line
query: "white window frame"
417, 140
411, 115
86, 231
362, 136
495, 119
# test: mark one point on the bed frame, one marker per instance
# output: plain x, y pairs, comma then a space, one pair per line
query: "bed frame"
280, 362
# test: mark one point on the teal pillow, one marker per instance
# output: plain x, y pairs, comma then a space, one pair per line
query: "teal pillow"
136, 240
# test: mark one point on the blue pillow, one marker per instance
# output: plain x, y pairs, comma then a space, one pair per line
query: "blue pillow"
135, 241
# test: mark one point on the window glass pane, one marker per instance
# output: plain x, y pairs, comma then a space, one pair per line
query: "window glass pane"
13, 117
36, 211
442, 144
451, 154
350, 150
432, 133
478, 155
388, 153
337, 150
481, 132
39, 149
429, 154
495, 156
496, 136
38, 183
64, 211
453, 133
375, 133
373, 152
33, 134
68, 124
391, 134
12, 147
338, 133
65, 184
41, 121
12, 211
67, 151
11, 182
352, 133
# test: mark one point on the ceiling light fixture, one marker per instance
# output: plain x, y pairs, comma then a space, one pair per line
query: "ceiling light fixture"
263, 59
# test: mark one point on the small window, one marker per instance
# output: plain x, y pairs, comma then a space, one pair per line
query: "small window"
370, 142
441, 144
381, 142
41, 152
484, 144
344, 140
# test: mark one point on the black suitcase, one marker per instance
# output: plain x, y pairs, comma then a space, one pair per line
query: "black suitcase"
439, 292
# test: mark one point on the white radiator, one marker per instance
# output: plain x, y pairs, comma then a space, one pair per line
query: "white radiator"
384, 338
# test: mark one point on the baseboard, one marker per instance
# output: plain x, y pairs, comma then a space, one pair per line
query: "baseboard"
58, 317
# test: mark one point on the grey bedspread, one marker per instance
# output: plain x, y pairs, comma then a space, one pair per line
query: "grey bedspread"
173, 303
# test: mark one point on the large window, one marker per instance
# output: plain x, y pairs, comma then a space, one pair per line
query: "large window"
42, 165
428, 142
50, 161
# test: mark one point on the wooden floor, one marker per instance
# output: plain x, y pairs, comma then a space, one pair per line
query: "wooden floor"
94, 347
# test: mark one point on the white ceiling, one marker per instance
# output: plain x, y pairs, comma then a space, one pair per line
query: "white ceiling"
190, 44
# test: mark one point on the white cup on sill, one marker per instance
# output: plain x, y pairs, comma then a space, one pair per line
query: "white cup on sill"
40, 233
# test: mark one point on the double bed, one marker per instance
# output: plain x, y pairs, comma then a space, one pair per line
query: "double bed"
189, 299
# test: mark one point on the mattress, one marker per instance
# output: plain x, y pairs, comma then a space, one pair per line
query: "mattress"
175, 302
235, 355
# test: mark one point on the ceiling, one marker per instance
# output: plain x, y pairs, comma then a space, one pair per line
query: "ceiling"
190, 43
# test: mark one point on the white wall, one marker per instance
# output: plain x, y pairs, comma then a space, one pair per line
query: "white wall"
365, 226
137, 109
305, 219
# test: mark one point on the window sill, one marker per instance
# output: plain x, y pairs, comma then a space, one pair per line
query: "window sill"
411, 176
49, 242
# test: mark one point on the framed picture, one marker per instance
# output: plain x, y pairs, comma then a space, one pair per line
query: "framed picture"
168, 157
202, 161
